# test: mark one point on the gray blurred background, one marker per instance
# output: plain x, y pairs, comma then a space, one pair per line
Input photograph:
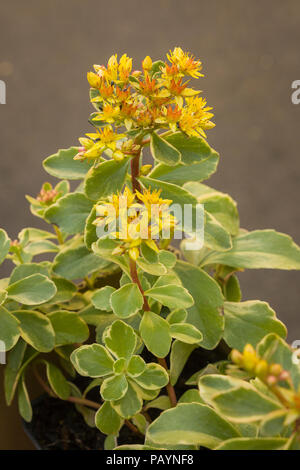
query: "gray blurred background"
250, 52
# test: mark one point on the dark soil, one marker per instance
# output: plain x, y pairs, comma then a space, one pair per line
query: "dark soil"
57, 425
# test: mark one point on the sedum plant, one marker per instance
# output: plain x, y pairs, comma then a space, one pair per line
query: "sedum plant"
117, 302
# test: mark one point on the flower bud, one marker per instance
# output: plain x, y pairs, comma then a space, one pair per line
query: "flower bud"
261, 368
93, 79
147, 63
236, 357
275, 369
249, 357
284, 375
271, 380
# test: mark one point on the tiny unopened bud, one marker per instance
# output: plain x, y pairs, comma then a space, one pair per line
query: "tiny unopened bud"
147, 63
271, 380
284, 375
249, 357
275, 369
236, 357
93, 79
261, 368
145, 169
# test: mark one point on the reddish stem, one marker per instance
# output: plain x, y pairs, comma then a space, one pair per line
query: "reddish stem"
169, 387
135, 278
146, 308
135, 171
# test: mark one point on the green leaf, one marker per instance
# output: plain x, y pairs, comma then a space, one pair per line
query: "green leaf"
136, 366
129, 405
24, 404
156, 269
63, 166
36, 329
181, 173
265, 249
127, 300
26, 270
32, 234
170, 191
205, 314
69, 328
40, 247
90, 230
163, 151
4, 245
32, 290
161, 403
232, 290
244, 404
9, 331
273, 424
191, 423
105, 179
76, 263
101, 298
120, 339
211, 384
172, 296
154, 377
259, 443
191, 396
65, 291
114, 388
186, 333
215, 236
167, 258
192, 149
92, 360
177, 316
155, 333
13, 370
70, 213
249, 322
57, 381
180, 353
107, 420
218, 204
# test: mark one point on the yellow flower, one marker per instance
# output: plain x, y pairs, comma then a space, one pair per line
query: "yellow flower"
196, 117
185, 62
147, 63
94, 80
149, 198
125, 67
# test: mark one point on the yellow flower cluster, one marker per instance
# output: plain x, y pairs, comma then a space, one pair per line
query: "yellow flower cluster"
136, 218
158, 97
250, 361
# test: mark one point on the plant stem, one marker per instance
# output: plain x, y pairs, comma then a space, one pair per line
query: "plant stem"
135, 171
135, 278
59, 235
146, 308
169, 387
80, 401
